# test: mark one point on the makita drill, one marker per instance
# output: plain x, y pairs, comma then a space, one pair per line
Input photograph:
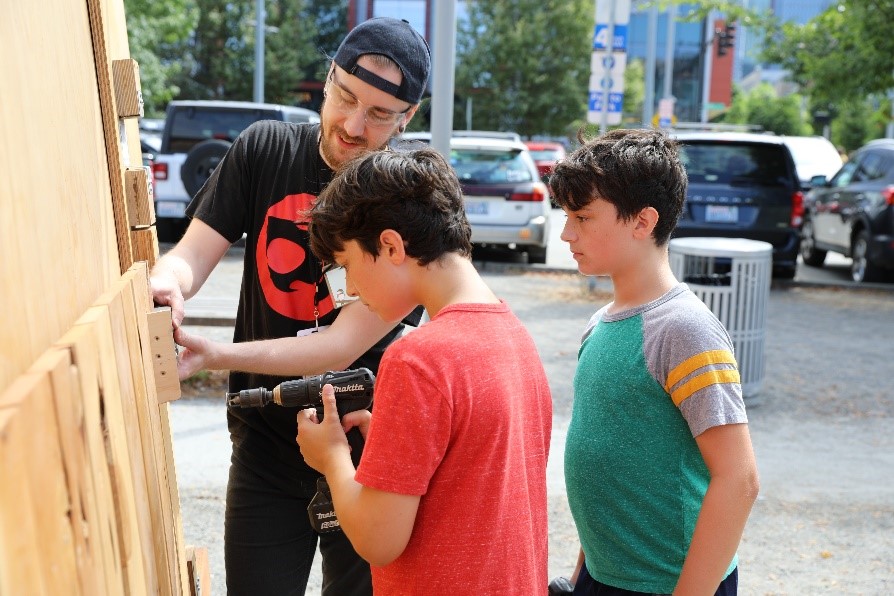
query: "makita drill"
353, 391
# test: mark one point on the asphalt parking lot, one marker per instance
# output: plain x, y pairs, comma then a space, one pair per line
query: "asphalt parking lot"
822, 426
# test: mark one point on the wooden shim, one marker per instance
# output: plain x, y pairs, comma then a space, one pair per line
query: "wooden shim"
83, 515
81, 341
164, 354
138, 190
145, 244
123, 445
199, 571
128, 97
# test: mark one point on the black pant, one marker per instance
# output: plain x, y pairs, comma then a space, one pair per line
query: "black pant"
269, 544
587, 586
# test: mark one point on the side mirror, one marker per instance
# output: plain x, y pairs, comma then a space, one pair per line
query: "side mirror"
818, 180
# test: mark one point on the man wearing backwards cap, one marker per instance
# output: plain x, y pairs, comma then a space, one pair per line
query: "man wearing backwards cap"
287, 324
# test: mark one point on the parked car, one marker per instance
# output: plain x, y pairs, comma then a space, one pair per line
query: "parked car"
545, 155
814, 156
195, 137
506, 203
853, 214
743, 185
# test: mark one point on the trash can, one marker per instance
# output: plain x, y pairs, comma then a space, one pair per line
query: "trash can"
732, 277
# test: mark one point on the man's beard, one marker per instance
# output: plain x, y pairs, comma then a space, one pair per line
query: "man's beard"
330, 150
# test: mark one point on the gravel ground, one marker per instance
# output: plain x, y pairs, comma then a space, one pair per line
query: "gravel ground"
822, 427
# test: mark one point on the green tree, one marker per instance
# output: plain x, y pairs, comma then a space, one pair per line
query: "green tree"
842, 54
763, 107
525, 63
157, 34
222, 53
289, 52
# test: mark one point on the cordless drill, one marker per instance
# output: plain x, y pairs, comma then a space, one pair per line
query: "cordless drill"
353, 391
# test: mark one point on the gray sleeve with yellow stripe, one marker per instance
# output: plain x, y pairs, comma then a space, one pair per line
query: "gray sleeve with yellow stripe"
690, 353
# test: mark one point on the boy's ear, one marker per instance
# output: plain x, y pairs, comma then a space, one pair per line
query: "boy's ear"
392, 246
645, 222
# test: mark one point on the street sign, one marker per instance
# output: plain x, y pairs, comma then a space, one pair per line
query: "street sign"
600, 37
608, 62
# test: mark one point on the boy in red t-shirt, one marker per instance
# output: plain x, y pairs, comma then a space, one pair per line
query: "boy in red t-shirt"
451, 491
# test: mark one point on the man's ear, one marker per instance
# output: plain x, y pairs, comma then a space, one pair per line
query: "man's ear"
645, 222
392, 246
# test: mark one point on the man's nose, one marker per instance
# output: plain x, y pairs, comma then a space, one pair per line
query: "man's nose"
356, 123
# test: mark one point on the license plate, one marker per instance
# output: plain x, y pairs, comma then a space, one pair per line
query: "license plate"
476, 207
170, 209
721, 213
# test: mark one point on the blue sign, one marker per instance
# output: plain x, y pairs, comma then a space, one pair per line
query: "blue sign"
600, 37
615, 101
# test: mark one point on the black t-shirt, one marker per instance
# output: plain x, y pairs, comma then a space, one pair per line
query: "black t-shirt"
269, 177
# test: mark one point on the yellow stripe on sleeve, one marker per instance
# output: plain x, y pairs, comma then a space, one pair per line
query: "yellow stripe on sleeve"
710, 377
690, 365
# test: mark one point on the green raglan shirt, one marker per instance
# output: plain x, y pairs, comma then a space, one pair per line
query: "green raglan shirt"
648, 381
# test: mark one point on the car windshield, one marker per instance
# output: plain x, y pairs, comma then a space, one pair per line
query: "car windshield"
734, 163
482, 166
193, 125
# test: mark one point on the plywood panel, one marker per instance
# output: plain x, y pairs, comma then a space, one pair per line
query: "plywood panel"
125, 461
82, 342
19, 547
57, 239
83, 508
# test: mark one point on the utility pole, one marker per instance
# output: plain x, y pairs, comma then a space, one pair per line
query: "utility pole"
651, 51
443, 64
260, 22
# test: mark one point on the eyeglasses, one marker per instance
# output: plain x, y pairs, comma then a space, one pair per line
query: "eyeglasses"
347, 104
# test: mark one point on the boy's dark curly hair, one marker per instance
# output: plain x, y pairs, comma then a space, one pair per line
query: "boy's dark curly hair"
630, 168
415, 193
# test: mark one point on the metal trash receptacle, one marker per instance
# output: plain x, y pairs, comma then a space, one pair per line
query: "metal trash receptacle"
732, 277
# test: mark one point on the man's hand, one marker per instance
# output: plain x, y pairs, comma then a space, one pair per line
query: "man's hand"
323, 444
197, 353
165, 290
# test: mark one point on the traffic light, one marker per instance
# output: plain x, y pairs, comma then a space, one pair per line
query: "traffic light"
725, 39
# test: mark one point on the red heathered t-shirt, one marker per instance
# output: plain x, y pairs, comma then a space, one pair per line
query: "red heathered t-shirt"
462, 416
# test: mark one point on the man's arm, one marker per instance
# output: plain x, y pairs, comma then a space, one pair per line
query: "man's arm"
354, 331
728, 453
377, 523
180, 273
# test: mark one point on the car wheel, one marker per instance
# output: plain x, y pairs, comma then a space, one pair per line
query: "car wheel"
784, 272
809, 252
536, 254
862, 269
200, 162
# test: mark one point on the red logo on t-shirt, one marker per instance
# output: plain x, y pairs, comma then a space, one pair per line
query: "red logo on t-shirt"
280, 257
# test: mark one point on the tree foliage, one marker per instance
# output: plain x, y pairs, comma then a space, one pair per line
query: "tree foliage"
761, 106
525, 63
205, 49
157, 34
842, 54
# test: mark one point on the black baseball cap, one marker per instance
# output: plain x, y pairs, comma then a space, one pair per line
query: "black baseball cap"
396, 39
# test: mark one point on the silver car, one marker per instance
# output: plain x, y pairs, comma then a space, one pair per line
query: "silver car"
506, 203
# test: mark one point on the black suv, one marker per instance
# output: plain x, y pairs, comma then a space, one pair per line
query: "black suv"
743, 185
853, 214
